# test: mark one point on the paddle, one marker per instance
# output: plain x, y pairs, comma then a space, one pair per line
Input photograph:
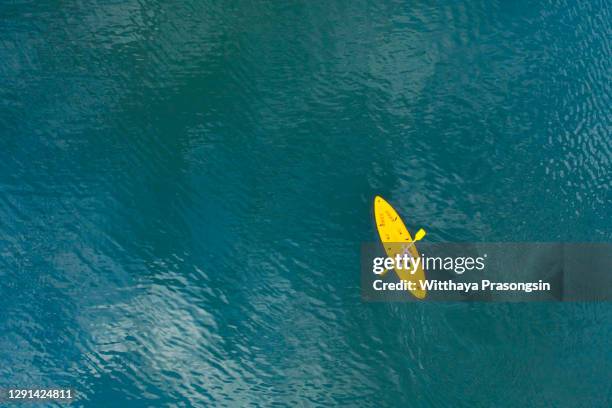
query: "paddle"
417, 237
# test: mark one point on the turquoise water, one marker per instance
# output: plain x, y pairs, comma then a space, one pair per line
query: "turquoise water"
184, 188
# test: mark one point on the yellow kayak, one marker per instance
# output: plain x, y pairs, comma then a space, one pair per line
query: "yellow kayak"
396, 240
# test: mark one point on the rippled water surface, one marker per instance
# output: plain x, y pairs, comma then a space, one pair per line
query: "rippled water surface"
184, 187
